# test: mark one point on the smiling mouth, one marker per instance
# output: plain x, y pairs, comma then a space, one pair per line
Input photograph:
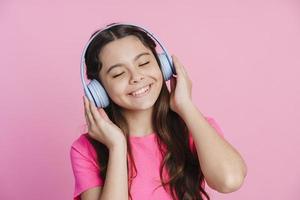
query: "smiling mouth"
141, 92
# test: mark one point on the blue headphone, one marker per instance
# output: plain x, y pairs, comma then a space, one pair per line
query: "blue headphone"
96, 93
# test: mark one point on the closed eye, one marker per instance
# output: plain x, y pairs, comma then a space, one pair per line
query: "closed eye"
139, 65
145, 63
117, 75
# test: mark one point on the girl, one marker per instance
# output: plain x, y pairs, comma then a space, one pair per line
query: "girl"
149, 143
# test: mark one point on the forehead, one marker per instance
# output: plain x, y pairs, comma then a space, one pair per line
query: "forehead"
121, 50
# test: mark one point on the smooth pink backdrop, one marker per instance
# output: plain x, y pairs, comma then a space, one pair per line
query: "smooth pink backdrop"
243, 59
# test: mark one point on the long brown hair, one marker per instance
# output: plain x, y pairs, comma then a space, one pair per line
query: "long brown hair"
180, 162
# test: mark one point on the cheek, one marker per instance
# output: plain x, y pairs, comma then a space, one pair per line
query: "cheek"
154, 71
116, 89
158, 75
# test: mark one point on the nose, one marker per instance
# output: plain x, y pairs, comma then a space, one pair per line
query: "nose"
136, 77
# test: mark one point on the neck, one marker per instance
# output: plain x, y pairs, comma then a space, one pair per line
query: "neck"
139, 121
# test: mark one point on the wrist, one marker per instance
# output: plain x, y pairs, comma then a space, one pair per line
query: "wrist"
120, 146
188, 107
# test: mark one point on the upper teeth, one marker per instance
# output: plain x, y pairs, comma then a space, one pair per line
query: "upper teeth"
140, 91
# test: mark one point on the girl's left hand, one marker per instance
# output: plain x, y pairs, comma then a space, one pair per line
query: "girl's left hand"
181, 88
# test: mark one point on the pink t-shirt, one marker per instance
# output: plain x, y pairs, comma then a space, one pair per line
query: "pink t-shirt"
147, 159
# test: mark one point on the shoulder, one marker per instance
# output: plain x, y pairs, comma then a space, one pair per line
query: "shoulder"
81, 141
81, 145
84, 165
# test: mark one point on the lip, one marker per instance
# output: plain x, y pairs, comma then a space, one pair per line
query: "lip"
150, 87
140, 88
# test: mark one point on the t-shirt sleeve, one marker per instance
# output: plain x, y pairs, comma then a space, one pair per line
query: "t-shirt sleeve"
85, 170
214, 124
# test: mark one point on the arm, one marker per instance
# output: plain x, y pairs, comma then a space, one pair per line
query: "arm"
101, 128
115, 186
222, 165
116, 182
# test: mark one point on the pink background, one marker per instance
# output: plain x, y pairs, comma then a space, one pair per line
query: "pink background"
243, 59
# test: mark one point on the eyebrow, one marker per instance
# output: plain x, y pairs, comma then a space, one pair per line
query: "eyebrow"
119, 64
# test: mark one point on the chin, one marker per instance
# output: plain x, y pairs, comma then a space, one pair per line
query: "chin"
146, 105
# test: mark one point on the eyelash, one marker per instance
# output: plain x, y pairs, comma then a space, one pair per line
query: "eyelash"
123, 72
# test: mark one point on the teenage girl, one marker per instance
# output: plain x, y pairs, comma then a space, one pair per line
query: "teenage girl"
149, 143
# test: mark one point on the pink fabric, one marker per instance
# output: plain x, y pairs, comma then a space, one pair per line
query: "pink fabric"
147, 159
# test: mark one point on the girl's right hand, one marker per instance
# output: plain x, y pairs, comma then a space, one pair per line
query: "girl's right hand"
100, 127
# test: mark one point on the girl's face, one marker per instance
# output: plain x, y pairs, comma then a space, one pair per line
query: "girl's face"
127, 66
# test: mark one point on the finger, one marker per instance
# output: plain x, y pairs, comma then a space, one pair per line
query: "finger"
173, 83
95, 112
104, 115
87, 112
183, 69
90, 118
86, 118
177, 65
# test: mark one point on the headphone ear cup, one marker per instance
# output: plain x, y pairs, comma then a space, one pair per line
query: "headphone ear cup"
166, 68
98, 94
